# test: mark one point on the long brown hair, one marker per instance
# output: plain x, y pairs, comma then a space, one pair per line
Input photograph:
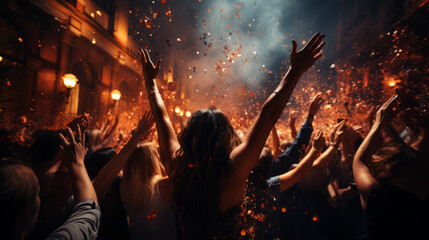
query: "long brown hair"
203, 158
390, 159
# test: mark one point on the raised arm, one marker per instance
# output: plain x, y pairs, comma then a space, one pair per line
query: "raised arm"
109, 130
168, 143
336, 135
292, 153
293, 176
245, 156
365, 181
292, 120
84, 221
276, 142
74, 154
110, 171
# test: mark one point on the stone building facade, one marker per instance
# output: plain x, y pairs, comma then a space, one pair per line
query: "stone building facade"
42, 40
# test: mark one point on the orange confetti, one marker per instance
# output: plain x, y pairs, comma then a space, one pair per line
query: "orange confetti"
229, 26
316, 218
243, 232
284, 210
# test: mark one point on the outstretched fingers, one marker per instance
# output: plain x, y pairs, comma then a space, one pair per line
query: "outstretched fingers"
315, 44
390, 103
312, 41
71, 135
63, 140
294, 46
143, 54
319, 48
148, 58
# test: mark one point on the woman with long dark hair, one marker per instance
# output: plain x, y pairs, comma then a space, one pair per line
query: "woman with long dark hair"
392, 176
207, 163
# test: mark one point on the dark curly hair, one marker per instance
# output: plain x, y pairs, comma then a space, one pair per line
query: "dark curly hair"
203, 158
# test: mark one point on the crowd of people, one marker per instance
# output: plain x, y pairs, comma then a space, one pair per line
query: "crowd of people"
208, 182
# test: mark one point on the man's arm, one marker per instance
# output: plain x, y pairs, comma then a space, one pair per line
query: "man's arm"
84, 222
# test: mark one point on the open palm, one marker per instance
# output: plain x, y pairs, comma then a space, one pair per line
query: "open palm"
305, 58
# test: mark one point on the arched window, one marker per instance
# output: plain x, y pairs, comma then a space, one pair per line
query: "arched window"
86, 85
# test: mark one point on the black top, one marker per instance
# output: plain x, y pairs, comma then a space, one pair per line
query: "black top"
229, 224
113, 223
393, 213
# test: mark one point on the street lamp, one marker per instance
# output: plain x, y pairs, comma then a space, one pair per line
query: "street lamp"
116, 95
69, 81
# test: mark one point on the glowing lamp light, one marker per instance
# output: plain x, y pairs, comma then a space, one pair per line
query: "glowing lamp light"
116, 95
177, 109
188, 113
69, 80
392, 83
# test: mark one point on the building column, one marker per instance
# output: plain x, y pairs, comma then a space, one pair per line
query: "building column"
63, 67
114, 81
32, 66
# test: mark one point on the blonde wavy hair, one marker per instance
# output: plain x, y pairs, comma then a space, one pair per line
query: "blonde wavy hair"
138, 181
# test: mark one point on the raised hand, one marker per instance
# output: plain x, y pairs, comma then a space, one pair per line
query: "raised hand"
315, 104
149, 70
308, 55
145, 124
82, 121
293, 115
337, 133
73, 148
386, 112
318, 140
